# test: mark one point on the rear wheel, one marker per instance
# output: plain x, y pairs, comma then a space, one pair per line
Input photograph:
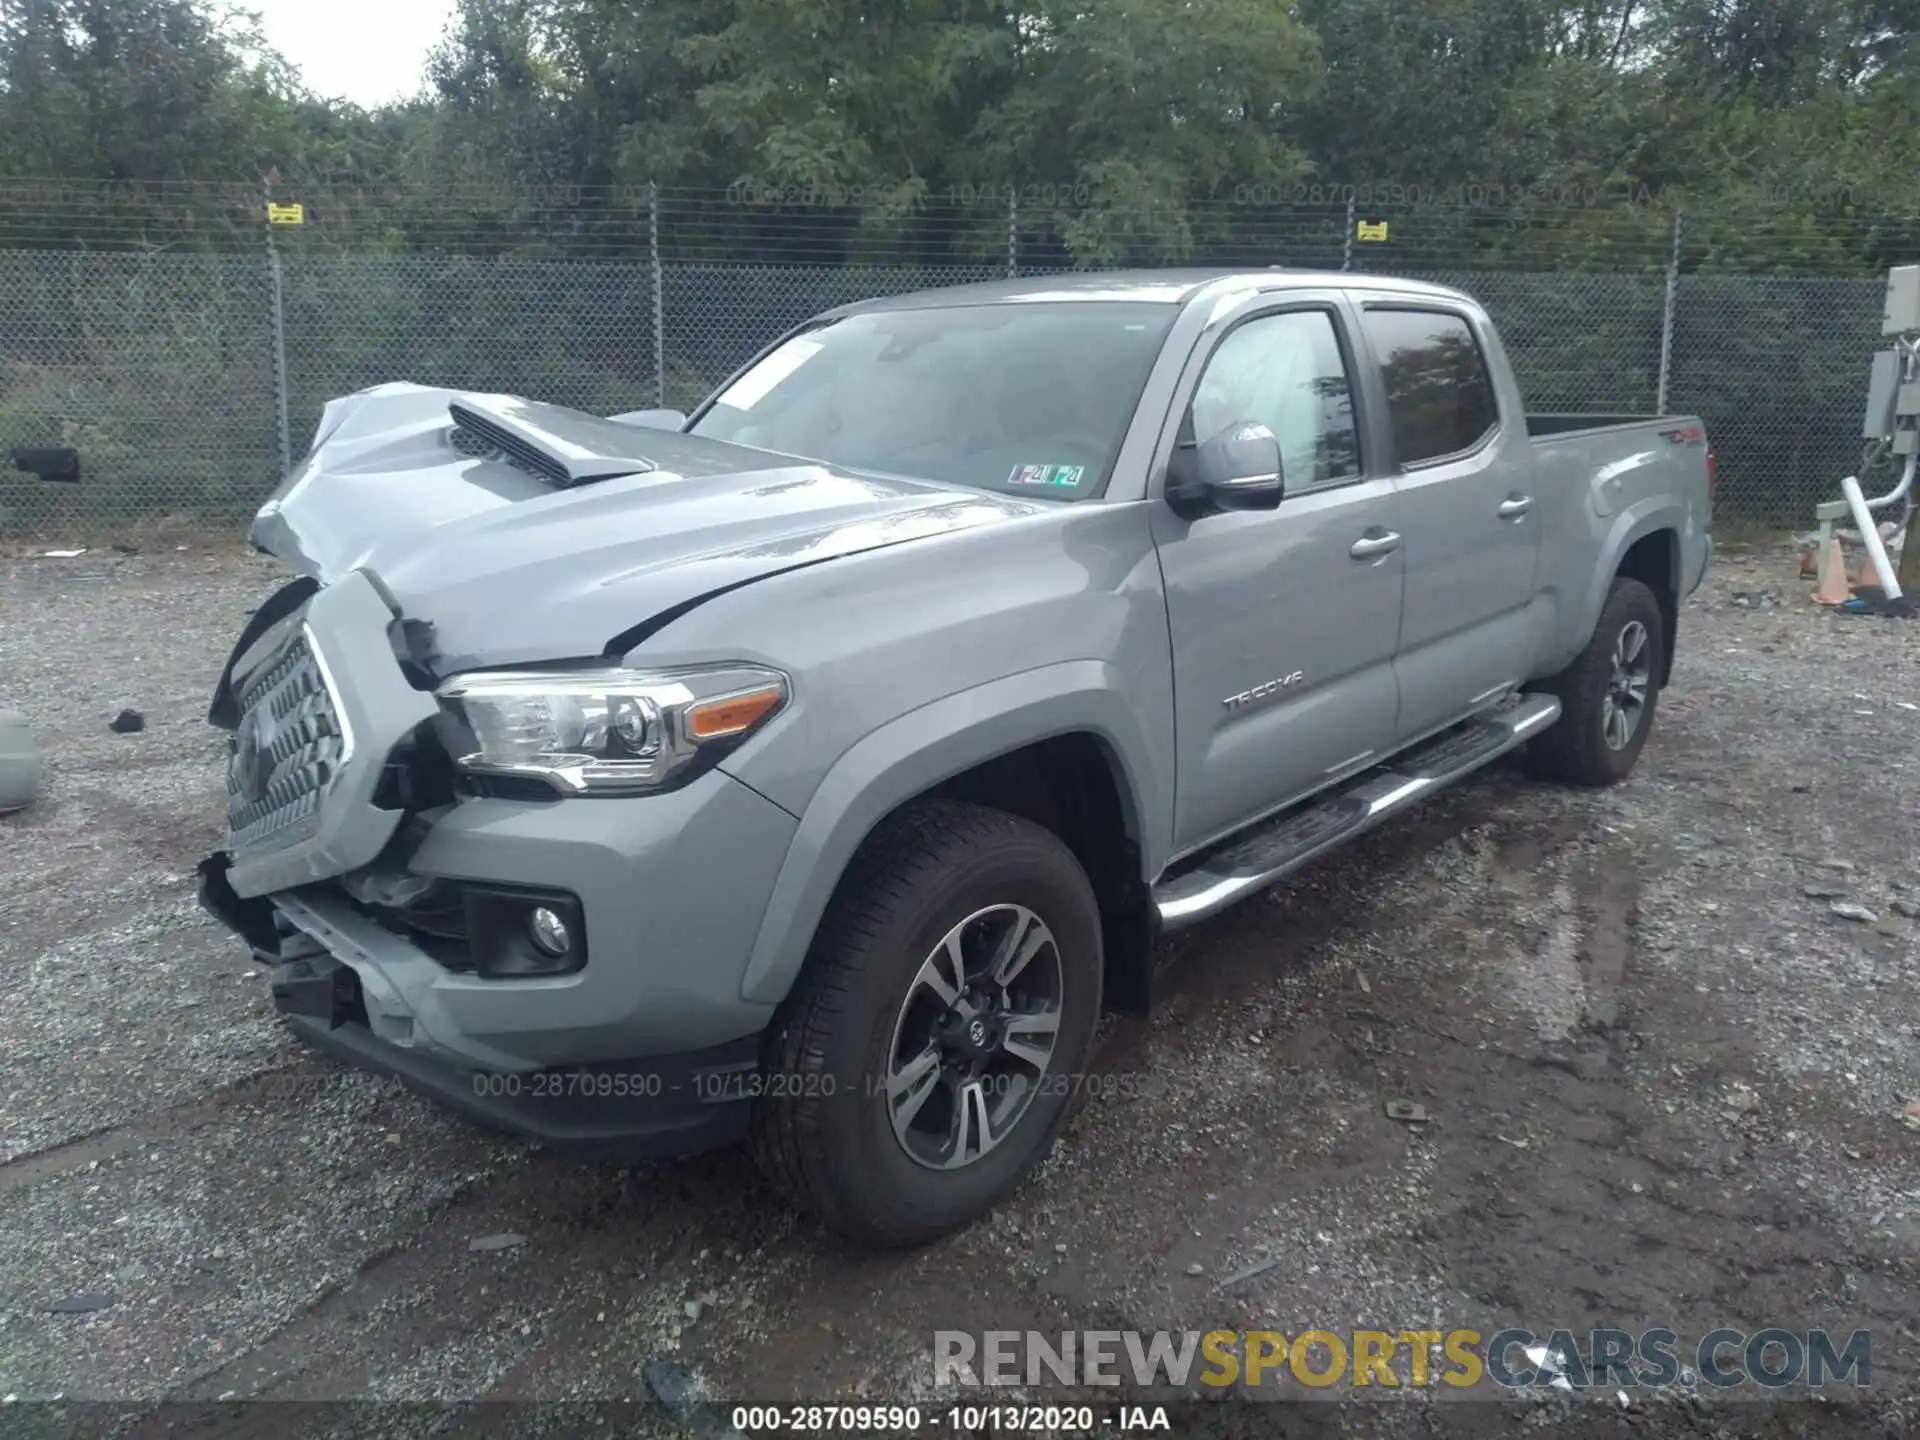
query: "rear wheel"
926, 1059
1608, 695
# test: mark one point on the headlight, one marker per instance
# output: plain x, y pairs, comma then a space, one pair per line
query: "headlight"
607, 732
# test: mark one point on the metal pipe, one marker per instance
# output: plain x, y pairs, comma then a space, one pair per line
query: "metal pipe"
659, 297
1013, 232
276, 294
283, 427
1899, 492
1667, 313
1870, 536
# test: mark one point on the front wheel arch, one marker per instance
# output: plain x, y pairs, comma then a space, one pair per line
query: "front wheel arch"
923, 753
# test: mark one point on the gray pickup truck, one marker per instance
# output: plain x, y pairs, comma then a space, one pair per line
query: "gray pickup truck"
817, 768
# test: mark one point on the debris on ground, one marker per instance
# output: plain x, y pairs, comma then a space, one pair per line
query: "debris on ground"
21, 763
1872, 600
1407, 1112
127, 722
673, 1386
1259, 1267
487, 1244
86, 1304
1854, 911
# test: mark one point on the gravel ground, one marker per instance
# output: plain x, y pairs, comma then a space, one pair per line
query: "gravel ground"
1666, 1086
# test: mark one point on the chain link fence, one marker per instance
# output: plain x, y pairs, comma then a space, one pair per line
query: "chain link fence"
575, 332
157, 369
171, 369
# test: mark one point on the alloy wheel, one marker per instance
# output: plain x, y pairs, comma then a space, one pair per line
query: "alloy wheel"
975, 1037
1625, 705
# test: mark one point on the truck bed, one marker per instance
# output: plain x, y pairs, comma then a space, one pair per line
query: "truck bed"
1544, 426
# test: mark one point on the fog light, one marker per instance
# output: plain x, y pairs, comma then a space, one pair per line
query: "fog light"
520, 933
549, 932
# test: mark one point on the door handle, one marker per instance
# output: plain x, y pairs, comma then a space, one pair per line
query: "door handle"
1372, 547
1514, 506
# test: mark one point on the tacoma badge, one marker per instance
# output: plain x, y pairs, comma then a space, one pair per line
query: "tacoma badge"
1261, 692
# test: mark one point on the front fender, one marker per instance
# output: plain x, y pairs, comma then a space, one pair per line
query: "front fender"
912, 754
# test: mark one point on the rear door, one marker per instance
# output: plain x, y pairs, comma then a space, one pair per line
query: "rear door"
1466, 505
1283, 621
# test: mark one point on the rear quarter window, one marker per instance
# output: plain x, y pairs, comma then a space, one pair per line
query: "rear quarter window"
1440, 397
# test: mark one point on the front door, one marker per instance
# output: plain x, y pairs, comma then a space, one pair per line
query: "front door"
1467, 509
1284, 622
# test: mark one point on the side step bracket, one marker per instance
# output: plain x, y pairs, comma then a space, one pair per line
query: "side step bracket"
1257, 858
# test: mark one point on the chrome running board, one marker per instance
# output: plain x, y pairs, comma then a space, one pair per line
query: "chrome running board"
1257, 858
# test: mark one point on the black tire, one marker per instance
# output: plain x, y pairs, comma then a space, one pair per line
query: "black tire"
1576, 749
822, 1133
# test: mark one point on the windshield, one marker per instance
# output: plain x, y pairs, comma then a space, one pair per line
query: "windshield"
1030, 399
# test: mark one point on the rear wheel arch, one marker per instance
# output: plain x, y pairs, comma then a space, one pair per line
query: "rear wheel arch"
1654, 560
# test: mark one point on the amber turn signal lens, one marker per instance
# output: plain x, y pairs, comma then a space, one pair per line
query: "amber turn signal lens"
732, 714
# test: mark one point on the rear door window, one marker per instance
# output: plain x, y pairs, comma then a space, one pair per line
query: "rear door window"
1440, 397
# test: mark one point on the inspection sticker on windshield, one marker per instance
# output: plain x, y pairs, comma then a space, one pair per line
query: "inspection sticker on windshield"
753, 387
1059, 477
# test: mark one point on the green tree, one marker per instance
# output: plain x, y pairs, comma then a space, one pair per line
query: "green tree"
1111, 119
141, 90
1152, 104
578, 92
880, 96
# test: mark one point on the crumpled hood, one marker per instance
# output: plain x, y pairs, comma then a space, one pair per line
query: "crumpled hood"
505, 566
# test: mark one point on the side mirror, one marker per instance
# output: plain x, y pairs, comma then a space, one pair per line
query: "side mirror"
654, 419
1238, 469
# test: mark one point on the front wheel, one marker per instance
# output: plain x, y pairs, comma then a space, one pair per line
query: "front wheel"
1607, 695
930, 1051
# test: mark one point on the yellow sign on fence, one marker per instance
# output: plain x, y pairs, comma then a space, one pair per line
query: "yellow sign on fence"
286, 214
1373, 232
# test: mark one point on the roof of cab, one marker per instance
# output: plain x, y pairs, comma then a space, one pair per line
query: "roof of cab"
1166, 287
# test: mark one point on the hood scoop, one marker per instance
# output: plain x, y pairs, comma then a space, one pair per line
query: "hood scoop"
512, 429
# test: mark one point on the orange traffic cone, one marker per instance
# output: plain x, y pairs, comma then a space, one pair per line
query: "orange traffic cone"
1834, 589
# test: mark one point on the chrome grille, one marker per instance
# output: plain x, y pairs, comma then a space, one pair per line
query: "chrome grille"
288, 747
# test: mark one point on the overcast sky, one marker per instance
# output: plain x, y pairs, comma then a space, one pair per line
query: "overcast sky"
367, 51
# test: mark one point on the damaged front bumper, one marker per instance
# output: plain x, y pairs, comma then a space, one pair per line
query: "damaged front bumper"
659, 1107
384, 909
